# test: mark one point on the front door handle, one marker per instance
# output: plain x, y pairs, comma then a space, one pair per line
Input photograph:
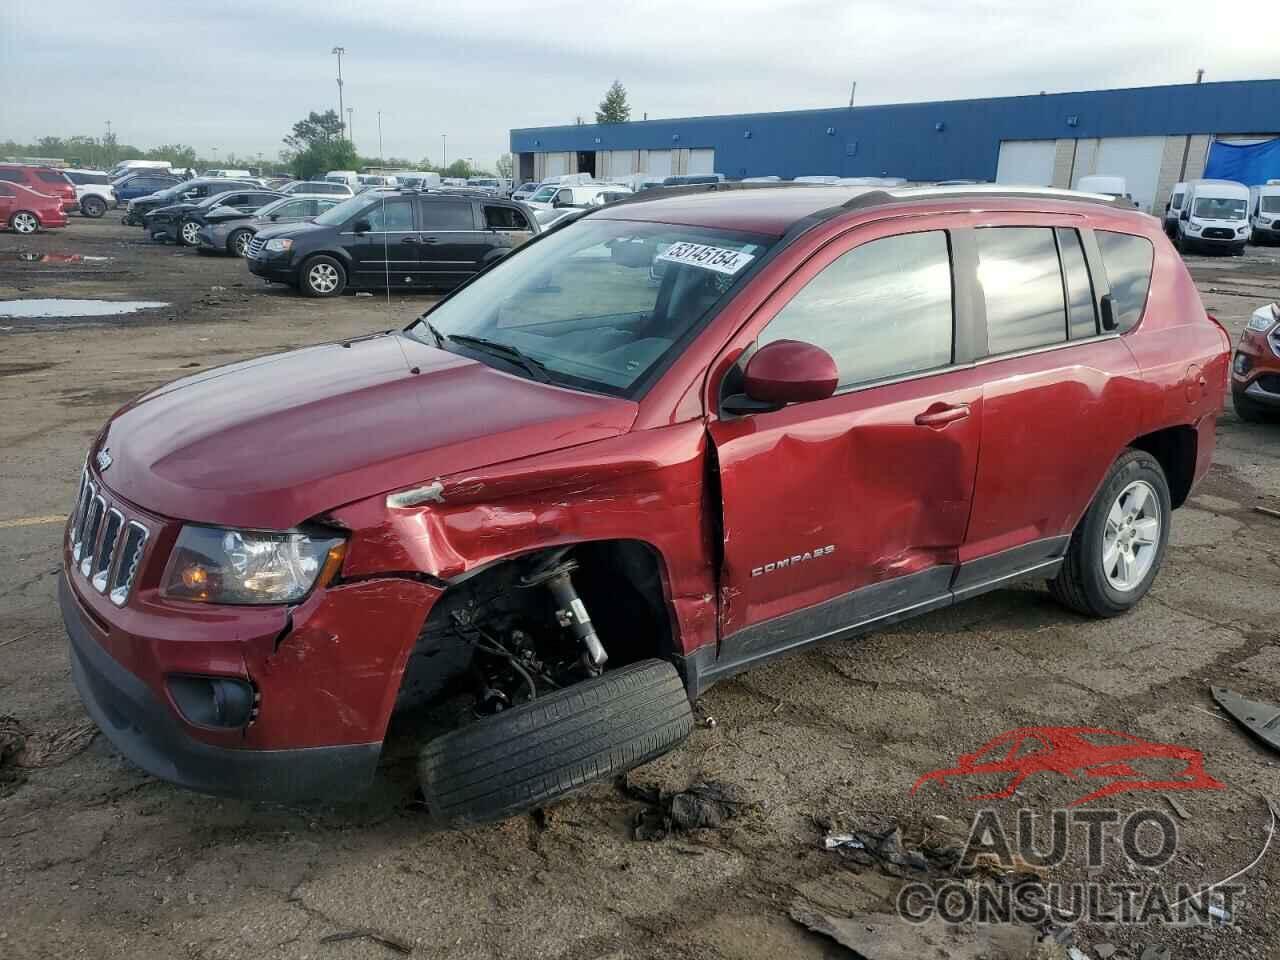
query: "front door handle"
430, 240
411, 240
939, 415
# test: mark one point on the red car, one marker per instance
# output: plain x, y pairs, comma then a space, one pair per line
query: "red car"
1076, 752
655, 446
1255, 369
25, 211
42, 180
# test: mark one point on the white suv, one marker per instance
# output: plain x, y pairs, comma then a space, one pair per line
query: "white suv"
93, 190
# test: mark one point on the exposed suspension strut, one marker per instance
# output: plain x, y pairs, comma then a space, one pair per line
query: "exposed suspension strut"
571, 612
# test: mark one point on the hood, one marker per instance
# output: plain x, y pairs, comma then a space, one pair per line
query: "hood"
272, 442
291, 229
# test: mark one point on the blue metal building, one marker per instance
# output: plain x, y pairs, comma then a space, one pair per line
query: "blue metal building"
955, 139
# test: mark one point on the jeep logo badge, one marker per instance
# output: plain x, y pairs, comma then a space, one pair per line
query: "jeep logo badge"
103, 459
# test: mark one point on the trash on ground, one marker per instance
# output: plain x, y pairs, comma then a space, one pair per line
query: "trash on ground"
1268, 512
1205, 891
884, 936
833, 840
1259, 718
386, 940
705, 804
1177, 806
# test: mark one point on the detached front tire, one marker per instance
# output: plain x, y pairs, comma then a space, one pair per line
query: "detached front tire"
1119, 544
540, 751
322, 277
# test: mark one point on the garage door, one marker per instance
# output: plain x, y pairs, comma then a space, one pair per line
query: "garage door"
702, 161
557, 165
1026, 163
659, 163
1137, 159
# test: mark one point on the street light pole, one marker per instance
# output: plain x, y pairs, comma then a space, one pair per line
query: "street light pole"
340, 51
350, 123
444, 151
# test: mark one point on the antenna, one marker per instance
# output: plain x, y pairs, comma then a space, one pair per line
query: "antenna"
386, 264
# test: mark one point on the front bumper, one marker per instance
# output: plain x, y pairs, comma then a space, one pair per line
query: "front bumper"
142, 728
1255, 367
273, 267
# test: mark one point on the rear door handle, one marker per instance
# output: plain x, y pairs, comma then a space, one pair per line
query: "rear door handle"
939, 415
430, 240
412, 240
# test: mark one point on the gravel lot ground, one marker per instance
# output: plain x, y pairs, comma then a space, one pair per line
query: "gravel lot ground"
98, 860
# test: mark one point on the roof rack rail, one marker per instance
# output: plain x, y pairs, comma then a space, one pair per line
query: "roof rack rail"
877, 198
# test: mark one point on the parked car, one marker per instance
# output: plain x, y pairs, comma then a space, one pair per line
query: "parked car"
228, 174
541, 198
1173, 209
349, 177
418, 181
1107, 185
399, 238
1255, 368
373, 181
583, 500
42, 180
488, 184
230, 229
525, 190
184, 191
181, 222
1264, 212
586, 195
1215, 216
126, 167
93, 190
317, 188
138, 186
25, 211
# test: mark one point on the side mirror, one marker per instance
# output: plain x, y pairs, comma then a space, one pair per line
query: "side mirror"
274, 217
783, 372
362, 226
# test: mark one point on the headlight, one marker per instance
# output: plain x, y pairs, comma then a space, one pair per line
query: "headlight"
279, 245
214, 565
1193, 228
1244, 229
1263, 320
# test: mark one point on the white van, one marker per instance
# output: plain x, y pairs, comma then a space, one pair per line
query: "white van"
225, 174
1264, 212
125, 167
349, 177
1173, 209
1215, 216
1107, 185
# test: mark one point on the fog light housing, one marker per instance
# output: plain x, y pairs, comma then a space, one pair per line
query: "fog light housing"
1241, 364
223, 702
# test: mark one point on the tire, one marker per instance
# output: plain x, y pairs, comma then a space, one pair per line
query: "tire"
239, 242
187, 233
322, 276
93, 207
1250, 411
1083, 584
24, 222
538, 752
1238, 250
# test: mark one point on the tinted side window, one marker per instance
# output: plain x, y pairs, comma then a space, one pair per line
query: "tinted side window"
447, 216
1082, 313
1018, 267
881, 310
51, 176
504, 218
13, 176
391, 216
1127, 260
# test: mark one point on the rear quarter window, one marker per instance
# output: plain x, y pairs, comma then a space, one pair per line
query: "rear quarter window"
1127, 261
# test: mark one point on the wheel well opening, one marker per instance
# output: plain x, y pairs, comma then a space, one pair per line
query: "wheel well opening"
1175, 449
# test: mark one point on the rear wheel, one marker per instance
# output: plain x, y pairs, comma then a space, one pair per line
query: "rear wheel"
322, 277
238, 242
1119, 544
93, 207
188, 233
24, 221
540, 751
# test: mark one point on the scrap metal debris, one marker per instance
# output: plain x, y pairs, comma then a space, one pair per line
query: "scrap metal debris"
1259, 718
883, 936
364, 933
705, 804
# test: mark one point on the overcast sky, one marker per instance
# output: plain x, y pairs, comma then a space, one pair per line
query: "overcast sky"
235, 74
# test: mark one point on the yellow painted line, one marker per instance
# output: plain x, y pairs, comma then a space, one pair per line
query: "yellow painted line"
32, 521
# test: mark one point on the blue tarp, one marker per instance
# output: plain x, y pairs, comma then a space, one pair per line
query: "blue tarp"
1249, 165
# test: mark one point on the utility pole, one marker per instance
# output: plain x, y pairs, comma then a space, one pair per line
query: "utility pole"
350, 122
340, 51
444, 151
852, 90
1200, 75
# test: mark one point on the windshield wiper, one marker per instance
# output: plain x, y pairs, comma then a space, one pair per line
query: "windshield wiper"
535, 368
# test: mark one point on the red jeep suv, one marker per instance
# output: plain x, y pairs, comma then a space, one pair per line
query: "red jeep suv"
655, 446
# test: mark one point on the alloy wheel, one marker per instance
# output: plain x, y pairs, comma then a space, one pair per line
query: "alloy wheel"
323, 278
1131, 537
190, 233
25, 223
242, 243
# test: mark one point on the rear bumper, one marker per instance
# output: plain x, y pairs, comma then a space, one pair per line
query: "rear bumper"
143, 729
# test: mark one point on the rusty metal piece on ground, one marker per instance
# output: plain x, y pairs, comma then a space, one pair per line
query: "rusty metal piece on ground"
364, 933
1259, 718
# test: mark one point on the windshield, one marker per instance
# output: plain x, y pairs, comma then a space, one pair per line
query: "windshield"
601, 303
346, 209
1271, 204
545, 193
1219, 208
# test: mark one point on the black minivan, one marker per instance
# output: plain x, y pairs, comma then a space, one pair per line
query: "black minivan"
391, 238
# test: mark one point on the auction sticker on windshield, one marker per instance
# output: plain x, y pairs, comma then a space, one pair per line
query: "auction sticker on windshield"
719, 259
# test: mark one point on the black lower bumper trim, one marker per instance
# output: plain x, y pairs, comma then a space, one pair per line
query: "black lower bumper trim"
142, 729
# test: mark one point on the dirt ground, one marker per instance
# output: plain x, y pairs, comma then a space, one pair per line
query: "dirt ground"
98, 860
